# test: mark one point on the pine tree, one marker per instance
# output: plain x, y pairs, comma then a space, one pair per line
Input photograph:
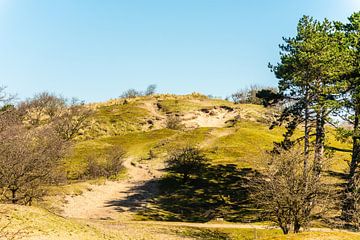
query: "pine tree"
309, 71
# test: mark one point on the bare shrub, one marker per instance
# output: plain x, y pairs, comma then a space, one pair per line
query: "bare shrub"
131, 93
8, 117
28, 160
93, 169
173, 122
67, 117
114, 161
288, 194
108, 167
41, 109
71, 121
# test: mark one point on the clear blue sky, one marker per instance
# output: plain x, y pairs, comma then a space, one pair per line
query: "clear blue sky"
96, 49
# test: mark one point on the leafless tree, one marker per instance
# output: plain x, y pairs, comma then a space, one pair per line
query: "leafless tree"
8, 115
42, 108
5, 98
67, 118
29, 159
72, 120
131, 93
288, 194
34, 137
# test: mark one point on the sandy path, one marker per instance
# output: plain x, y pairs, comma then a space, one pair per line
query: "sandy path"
119, 200
106, 201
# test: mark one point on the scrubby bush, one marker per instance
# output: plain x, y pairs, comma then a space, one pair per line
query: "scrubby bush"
186, 162
133, 93
251, 94
29, 160
288, 193
109, 166
114, 161
35, 136
173, 122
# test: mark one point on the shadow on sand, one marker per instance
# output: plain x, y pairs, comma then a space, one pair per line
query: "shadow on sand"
218, 192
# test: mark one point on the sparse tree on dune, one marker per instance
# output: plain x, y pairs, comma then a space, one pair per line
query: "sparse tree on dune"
287, 193
186, 162
150, 90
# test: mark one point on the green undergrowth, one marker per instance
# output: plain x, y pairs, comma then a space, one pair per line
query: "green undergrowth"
121, 122
245, 145
137, 145
119, 118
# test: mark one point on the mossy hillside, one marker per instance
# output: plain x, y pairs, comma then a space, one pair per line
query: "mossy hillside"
119, 118
137, 145
241, 144
245, 145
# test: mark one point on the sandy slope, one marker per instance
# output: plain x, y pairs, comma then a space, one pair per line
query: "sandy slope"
108, 200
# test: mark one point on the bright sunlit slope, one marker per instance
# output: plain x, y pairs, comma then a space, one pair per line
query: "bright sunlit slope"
227, 132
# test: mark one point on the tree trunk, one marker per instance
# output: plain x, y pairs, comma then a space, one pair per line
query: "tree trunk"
306, 132
185, 178
296, 226
349, 202
13, 196
355, 158
285, 229
319, 140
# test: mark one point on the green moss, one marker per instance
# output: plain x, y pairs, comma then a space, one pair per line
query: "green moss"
245, 145
139, 144
117, 119
116, 123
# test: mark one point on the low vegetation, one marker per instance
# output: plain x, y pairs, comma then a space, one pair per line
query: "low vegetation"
132, 93
113, 164
269, 157
186, 162
255, 95
289, 193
